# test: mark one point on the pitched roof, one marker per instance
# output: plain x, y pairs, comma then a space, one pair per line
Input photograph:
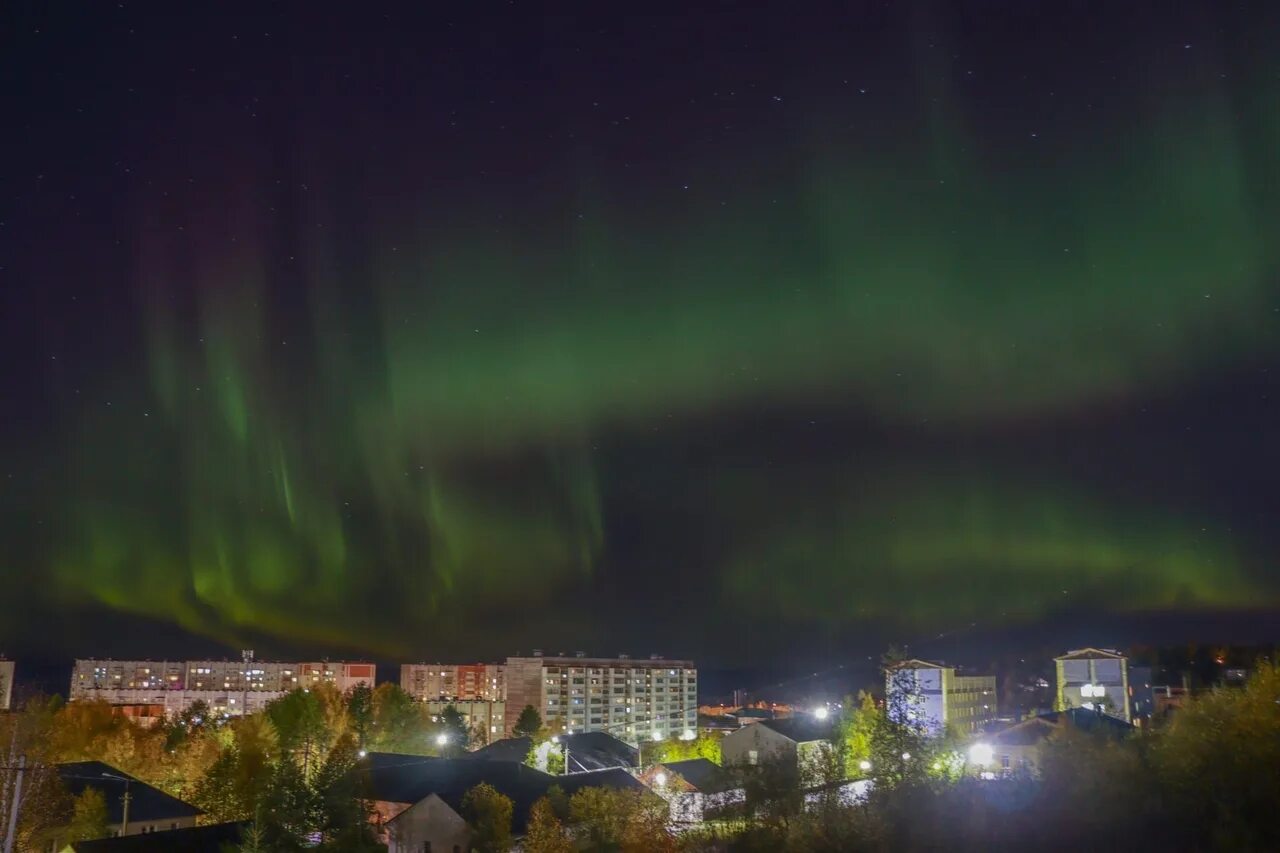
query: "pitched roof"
917, 663
702, 773
505, 749
587, 751
1090, 721
801, 728
1040, 728
197, 839
1089, 653
411, 779
145, 802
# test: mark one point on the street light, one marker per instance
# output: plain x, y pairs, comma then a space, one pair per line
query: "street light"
124, 817
820, 713
906, 756
864, 765
442, 739
981, 754
661, 779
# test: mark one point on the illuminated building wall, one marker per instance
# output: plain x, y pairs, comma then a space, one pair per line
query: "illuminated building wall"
631, 699
479, 681
6, 684
1094, 678
229, 687
932, 696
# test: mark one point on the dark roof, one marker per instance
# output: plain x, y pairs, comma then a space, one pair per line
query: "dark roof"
1090, 721
506, 749
410, 779
1091, 653
702, 773
145, 802
196, 839
1037, 729
802, 728
587, 751
1025, 733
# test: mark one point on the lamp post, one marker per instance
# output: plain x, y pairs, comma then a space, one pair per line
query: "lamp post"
124, 817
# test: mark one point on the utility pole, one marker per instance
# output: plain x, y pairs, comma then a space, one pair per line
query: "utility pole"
12, 831
124, 817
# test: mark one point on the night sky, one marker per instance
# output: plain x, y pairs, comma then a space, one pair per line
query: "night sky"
452, 330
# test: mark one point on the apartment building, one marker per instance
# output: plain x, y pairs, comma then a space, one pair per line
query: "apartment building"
631, 699
484, 719
933, 696
6, 684
228, 687
475, 682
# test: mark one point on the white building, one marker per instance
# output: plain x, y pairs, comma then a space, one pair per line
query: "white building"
476, 681
6, 684
228, 687
1094, 679
932, 696
634, 700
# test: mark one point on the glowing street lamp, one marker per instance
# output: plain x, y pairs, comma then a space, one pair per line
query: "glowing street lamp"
442, 739
981, 754
820, 713
864, 765
661, 779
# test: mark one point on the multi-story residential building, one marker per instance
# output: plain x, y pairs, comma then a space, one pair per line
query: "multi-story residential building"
631, 699
484, 719
1096, 679
469, 682
6, 684
933, 696
228, 687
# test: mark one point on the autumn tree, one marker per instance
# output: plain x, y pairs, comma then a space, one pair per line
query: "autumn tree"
545, 833
489, 815
88, 816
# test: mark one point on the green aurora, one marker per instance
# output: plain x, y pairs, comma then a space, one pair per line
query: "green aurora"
425, 427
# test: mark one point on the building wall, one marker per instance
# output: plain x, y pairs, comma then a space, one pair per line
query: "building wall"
484, 719
229, 687
430, 821
753, 745
933, 697
970, 702
481, 681
1078, 674
6, 684
631, 699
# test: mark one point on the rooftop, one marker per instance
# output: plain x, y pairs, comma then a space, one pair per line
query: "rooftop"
145, 802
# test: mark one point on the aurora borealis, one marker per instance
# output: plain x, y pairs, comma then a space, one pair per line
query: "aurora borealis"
415, 334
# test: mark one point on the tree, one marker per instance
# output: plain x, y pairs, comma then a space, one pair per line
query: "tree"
399, 723
545, 833
489, 814
626, 820
454, 729
88, 816
287, 808
528, 724
360, 712
705, 745
341, 814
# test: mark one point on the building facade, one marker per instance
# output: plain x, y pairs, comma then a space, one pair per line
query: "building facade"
484, 719
631, 699
476, 682
932, 696
6, 684
1094, 679
232, 688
